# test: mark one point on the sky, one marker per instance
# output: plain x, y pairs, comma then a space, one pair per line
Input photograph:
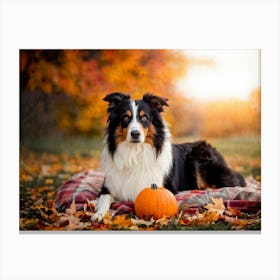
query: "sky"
221, 74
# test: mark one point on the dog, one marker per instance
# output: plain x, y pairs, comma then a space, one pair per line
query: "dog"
138, 152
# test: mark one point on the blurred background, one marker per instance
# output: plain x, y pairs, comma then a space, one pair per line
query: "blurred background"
213, 94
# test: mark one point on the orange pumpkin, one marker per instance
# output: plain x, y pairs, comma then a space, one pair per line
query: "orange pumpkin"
155, 202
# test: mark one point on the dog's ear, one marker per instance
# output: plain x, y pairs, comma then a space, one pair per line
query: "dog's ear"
156, 101
115, 99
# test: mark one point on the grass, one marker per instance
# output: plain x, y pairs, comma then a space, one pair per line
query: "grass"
71, 145
242, 153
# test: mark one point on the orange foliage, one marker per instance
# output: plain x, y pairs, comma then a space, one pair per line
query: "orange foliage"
224, 118
85, 77
62, 90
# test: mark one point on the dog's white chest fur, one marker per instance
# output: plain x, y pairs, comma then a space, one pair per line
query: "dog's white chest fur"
134, 167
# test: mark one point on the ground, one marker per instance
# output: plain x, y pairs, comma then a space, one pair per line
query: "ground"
46, 164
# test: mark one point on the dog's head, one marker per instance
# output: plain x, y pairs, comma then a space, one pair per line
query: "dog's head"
135, 121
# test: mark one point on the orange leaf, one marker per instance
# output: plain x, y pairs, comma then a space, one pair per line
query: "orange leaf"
122, 220
235, 212
209, 217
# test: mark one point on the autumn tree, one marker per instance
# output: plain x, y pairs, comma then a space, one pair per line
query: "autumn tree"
61, 91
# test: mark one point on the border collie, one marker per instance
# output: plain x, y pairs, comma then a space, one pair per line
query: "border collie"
138, 152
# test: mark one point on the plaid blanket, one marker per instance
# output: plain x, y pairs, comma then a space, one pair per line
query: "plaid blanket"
86, 185
82, 187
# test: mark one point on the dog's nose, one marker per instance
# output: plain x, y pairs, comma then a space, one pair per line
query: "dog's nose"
135, 134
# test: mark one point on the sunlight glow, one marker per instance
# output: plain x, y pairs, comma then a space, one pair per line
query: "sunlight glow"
232, 74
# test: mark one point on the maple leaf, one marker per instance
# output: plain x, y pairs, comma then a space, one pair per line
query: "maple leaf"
217, 207
122, 220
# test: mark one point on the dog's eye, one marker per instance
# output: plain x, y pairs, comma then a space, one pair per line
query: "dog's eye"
126, 119
144, 119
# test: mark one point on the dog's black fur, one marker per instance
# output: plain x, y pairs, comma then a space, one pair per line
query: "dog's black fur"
199, 158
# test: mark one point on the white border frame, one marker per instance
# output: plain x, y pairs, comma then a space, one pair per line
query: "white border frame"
154, 24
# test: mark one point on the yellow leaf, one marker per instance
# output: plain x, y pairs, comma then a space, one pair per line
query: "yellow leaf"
122, 220
25, 177
217, 207
107, 220
209, 217
50, 194
49, 181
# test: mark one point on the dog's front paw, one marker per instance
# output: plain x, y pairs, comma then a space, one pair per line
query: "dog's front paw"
98, 216
103, 206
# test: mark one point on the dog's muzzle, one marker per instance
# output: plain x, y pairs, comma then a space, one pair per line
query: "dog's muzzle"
135, 135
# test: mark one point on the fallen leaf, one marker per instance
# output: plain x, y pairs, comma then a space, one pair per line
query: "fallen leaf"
142, 222
50, 203
107, 220
233, 212
236, 223
162, 221
72, 209
209, 217
122, 221
45, 189
25, 177
49, 181
217, 207
184, 221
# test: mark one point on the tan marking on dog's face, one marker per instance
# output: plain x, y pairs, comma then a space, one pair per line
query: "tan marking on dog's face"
128, 113
142, 113
149, 134
143, 130
121, 134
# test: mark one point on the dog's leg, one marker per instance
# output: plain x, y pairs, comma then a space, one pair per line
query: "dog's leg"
217, 174
103, 206
211, 169
220, 176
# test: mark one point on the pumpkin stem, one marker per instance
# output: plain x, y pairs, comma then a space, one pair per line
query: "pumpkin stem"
153, 186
